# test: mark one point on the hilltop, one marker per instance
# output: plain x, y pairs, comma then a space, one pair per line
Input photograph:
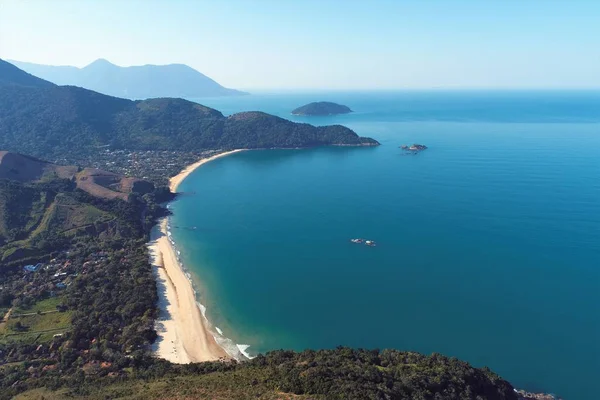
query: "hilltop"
136, 82
321, 108
55, 122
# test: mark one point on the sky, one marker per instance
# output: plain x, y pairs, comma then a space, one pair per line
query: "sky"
324, 44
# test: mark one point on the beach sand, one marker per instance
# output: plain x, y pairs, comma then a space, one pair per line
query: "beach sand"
183, 334
175, 181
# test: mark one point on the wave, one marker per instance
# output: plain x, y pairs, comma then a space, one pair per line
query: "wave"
202, 309
236, 351
242, 348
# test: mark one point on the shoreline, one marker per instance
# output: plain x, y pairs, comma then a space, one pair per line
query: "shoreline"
184, 333
176, 180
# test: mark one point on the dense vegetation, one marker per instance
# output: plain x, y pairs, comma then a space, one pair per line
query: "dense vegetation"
322, 108
52, 121
38, 219
341, 373
11, 75
90, 309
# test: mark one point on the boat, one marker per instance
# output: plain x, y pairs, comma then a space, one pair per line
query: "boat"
364, 241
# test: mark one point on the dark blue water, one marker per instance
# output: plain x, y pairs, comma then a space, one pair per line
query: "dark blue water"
488, 242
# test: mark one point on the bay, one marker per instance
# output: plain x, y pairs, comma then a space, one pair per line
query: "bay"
488, 242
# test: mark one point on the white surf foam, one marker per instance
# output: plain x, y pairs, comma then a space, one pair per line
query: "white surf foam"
242, 348
202, 309
236, 351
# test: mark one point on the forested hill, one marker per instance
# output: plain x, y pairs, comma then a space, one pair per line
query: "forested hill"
11, 75
342, 373
321, 108
50, 121
136, 82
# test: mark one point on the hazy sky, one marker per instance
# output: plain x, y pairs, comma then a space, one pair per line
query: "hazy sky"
328, 44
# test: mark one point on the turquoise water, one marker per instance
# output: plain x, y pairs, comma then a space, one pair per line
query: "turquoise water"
488, 242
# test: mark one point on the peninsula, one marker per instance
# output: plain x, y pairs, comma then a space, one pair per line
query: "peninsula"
66, 122
322, 108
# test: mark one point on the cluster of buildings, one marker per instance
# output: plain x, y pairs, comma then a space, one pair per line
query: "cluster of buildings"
154, 166
56, 274
40, 277
32, 268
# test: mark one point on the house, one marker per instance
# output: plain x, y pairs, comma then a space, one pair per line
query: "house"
31, 268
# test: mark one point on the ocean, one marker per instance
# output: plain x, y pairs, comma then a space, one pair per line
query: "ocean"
488, 242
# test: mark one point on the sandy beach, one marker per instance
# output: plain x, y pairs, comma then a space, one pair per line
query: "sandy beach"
183, 334
175, 181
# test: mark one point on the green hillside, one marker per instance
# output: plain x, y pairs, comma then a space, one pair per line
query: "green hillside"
11, 75
40, 218
56, 121
342, 373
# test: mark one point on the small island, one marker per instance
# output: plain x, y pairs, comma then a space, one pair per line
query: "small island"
321, 108
414, 147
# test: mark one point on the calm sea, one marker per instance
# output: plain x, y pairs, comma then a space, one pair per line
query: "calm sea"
488, 242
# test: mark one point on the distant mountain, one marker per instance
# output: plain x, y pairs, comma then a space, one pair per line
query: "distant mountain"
322, 108
138, 82
58, 121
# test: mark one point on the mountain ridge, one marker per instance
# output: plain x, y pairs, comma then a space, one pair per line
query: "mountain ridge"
12, 75
50, 121
134, 82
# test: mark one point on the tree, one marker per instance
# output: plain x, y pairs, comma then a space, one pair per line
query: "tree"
19, 327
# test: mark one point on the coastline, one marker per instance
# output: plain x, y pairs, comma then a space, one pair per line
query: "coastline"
175, 181
184, 333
